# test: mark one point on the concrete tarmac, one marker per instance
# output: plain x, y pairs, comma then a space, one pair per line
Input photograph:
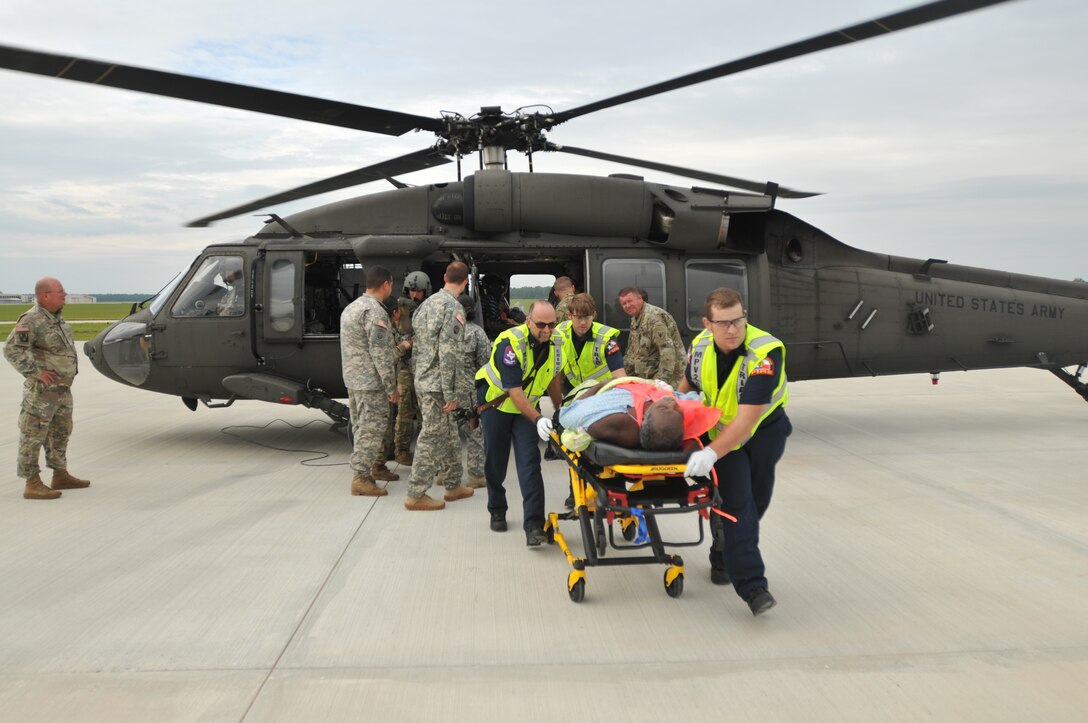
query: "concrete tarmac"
928, 547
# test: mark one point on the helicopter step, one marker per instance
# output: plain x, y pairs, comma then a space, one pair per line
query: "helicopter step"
280, 390
1074, 379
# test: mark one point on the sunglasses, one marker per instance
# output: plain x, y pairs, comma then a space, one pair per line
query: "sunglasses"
545, 324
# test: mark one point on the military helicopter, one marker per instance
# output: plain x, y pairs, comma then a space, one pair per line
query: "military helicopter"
259, 319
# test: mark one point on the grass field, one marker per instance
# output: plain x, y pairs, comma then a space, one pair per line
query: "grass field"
75, 314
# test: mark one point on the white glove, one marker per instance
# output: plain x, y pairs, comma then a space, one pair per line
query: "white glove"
544, 427
700, 463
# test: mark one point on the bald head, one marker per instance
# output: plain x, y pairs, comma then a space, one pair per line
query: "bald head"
50, 294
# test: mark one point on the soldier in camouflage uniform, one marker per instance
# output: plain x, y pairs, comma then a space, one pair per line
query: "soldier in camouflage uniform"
401, 347
477, 351
439, 325
564, 290
41, 348
366, 355
654, 350
417, 286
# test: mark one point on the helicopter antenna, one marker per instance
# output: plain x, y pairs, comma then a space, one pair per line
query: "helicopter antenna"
275, 218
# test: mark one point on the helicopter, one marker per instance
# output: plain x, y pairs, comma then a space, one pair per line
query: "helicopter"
259, 319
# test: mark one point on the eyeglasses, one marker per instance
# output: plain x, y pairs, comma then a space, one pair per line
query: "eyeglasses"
581, 317
737, 323
544, 324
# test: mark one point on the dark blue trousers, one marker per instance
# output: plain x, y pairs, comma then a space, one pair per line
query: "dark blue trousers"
745, 482
500, 430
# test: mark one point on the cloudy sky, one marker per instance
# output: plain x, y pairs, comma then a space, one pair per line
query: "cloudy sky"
965, 140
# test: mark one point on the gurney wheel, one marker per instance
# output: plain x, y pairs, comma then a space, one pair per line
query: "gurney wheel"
578, 591
602, 542
630, 530
676, 589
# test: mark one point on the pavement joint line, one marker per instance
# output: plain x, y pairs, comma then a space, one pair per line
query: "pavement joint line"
309, 608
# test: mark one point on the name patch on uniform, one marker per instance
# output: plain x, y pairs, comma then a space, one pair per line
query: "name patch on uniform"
611, 348
765, 368
509, 358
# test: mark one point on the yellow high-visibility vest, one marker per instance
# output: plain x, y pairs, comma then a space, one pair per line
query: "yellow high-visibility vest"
704, 363
591, 364
535, 385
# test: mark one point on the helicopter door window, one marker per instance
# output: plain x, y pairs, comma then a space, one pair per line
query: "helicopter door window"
282, 295
646, 274
702, 277
216, 289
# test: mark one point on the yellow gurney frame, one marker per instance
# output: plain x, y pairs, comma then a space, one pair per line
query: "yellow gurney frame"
609, 484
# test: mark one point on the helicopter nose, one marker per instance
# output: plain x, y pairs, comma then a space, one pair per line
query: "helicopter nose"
121, 352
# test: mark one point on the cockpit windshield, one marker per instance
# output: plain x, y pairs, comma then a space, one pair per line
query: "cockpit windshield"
159, 299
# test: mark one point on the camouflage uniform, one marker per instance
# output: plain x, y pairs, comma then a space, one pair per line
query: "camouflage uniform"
408, 407
402, 365
477, 351
232, 303
43, 341
366, 356
655, 350
437, 356
563, 307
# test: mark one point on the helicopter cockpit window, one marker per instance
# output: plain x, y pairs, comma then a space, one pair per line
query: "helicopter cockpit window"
160, 298
702, 277
216, 289
647, 274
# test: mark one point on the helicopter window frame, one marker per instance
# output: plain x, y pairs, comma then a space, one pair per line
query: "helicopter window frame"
697, 287
159, 300
613, 279
282, 312
208, 293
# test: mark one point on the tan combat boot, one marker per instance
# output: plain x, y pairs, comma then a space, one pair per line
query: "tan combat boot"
423, 504
365, 486
404, 457
380, 471
64, 481
36, 490
476, 481
459, 492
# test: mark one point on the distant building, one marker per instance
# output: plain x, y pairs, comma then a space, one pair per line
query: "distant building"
29, 299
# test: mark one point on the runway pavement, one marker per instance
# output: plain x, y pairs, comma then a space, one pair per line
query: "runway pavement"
928, 547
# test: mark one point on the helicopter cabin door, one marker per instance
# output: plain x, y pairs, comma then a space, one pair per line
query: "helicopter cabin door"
280, 316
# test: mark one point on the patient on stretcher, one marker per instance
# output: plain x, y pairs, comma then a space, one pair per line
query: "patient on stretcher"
634, 413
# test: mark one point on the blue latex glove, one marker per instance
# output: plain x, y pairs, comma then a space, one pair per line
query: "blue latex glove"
700, 463
544, 427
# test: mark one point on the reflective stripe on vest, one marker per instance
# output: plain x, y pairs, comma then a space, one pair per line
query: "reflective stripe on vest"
518, 338
590, 365
704, 362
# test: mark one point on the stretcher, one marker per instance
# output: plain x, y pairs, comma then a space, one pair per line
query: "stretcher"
629, 488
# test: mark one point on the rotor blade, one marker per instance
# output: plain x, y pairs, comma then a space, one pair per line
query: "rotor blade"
215, 92
426, 158
863, 31
730, 181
